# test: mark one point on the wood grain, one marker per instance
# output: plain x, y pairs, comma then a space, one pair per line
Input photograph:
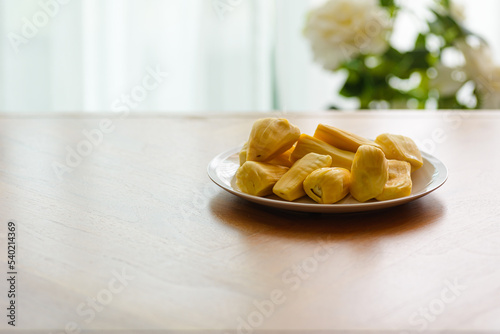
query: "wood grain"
141, 203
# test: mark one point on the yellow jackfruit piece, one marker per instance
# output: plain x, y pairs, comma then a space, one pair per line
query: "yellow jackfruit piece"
399, 183
271, 137
369, 173
341, 139
283, 159
328, 185
290, 187
258, 178
243, 154
402, 148
308, 144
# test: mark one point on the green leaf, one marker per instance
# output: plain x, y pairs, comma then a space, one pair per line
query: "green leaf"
446, 4
392, 54
420, 43
446, 26
449, 103
387, 3
371, 83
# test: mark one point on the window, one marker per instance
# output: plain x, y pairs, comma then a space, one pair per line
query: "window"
210, 55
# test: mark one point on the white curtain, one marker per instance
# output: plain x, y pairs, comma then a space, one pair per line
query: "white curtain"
208, 55
91, 54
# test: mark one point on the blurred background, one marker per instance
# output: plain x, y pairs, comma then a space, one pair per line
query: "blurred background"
181, 55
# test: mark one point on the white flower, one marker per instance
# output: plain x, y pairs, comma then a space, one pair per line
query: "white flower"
342, 29
457, 11
481, 68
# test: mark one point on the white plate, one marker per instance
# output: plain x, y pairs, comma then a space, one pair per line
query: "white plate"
425, 180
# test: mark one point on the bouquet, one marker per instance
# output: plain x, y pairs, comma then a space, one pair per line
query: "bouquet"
447, 67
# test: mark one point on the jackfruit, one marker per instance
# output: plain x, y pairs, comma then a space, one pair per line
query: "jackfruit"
283, 159
369, 173
290, 187
402, 148
341, 139
258, 178
271, 137
399, 183
328, 185
308, 144
243, 154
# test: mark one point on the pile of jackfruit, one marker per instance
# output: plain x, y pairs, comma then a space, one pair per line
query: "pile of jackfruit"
327, 166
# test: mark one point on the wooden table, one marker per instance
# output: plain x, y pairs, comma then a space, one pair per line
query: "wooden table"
133, 234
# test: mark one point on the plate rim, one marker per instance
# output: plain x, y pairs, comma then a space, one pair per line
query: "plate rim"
435, 183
